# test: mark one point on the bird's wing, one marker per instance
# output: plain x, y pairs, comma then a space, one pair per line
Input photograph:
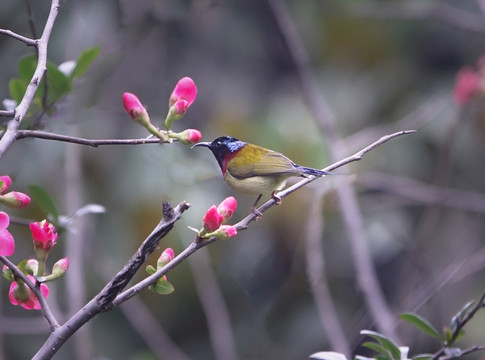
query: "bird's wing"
258, 161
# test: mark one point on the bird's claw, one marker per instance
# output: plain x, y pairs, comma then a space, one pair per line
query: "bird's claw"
276, 198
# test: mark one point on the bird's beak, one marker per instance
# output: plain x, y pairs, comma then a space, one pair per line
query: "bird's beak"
206, 144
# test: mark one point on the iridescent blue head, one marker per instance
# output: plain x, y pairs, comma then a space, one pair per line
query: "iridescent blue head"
222, 147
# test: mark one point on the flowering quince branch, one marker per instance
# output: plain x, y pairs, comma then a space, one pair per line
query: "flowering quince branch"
46, 311
21, 110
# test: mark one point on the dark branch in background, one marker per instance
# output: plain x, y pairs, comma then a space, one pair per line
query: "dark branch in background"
22, 109
325, 119
43, 303
419, 10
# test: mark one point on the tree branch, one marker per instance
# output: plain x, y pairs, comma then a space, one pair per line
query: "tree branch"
26, 40
22, 134
21, 110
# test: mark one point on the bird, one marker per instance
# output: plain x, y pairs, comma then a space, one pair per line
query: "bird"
254, 170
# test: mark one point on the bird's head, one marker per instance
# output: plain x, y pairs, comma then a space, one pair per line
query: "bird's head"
223, 147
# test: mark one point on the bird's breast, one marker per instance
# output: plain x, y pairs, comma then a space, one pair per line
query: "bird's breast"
255, 185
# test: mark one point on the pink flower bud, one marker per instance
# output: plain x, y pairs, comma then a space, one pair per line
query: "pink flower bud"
136, 110
184, 90
188, 137
31, 266
212, 219
5, 182
227, 207
20, 294
44, 235
225, 232
466, 86
15, 200
7, 243
60, 267
165, 258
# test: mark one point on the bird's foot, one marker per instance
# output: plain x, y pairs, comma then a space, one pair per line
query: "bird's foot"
276, 198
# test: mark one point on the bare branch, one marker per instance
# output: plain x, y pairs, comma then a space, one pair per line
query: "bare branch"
26, 40
22, 134
10, 135
7, 113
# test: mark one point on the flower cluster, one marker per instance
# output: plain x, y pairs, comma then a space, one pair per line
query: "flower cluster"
215, 217
469, 83
182, 97
12, 199
44, 238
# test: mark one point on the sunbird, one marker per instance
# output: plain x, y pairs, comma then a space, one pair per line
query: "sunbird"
254, 170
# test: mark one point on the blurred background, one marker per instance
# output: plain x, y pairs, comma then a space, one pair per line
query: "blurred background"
276, 290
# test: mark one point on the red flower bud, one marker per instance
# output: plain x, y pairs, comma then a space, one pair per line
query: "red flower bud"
212, 219
15, 200
466, 86
184, 90
225, 232
227, 207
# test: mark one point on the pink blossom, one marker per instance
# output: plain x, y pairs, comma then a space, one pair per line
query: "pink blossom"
44, 235
15, 199
165, 258
20, 294
226, 231
190, 136
132, 105
7, 243
5, 184
227, 207
185, 91
212, 219
466, 86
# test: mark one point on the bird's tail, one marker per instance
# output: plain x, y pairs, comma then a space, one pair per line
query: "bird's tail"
314, 172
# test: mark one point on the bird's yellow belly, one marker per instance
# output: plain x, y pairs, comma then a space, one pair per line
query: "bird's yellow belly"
256, 185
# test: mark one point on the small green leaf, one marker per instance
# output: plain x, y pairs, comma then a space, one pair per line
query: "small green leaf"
17, 88
21, 266
84, 61
163, 287
423, 357
374, 346
8, 274
44, 200
385, 343
26, 67
58, 83
150, 270
448, 334
422, 324
460, 334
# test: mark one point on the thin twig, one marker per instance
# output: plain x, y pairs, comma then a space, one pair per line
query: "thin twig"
315, 267
21, 134
51, 319
7, 113
418, 10
24, 39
